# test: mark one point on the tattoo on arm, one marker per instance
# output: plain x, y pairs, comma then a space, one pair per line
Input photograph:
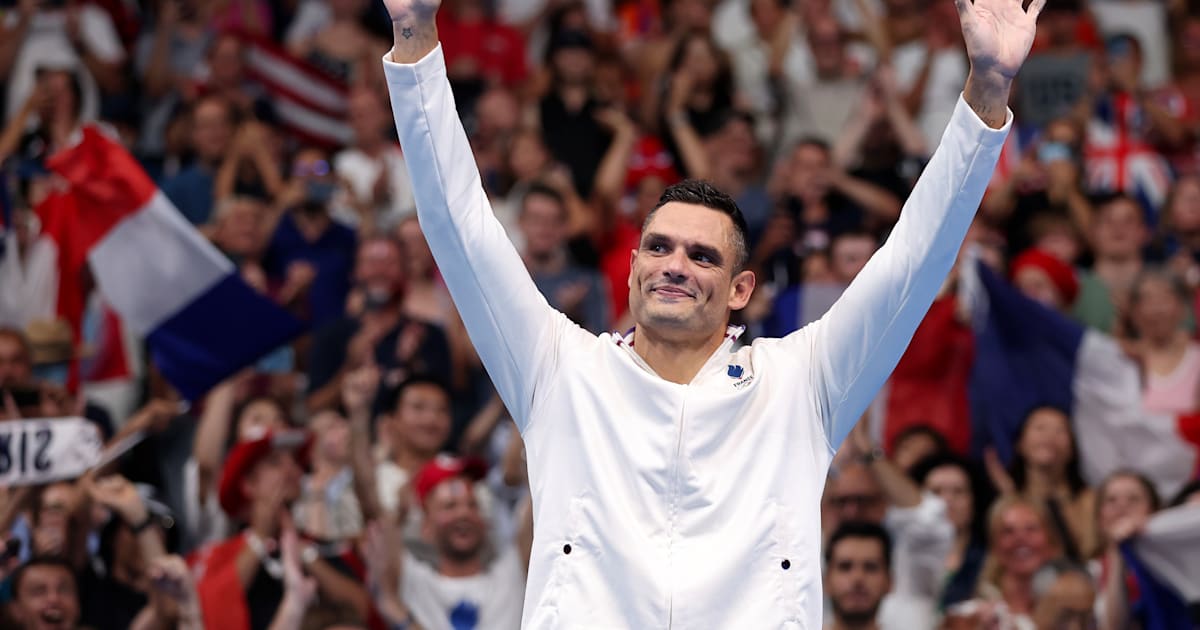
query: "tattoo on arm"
407, 32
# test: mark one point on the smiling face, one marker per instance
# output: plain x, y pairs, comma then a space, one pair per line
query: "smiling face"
683, 283
1019, 540
46, 598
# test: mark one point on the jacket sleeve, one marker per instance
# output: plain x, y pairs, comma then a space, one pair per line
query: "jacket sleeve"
513, 328
858, 342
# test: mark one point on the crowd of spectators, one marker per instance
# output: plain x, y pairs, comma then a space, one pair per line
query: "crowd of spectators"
367, 476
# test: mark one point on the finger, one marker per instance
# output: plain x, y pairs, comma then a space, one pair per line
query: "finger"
964, 8
10, 407
1035, 8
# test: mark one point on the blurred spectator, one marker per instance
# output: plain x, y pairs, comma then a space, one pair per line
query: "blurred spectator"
1019, 544
375, 330
857, 574
225, 422
1066, 596
1181, 97
1123, 503
213, 122
924, 47
28, 271
307, 235
1045, 470
1118, 234
954, 481
327, 509
330, 36
225, 75
461, 587
569, 112
380, 193
1056, 78
45, 122
45, 595
1044, 278
73, 37
816, 105
916, 443
691, 96
1169, 356
414, 430
1125, 124
167, 56
479, 50
426, 298
579, 293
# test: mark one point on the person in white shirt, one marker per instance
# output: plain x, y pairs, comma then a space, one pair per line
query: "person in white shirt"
463, 589
675, 478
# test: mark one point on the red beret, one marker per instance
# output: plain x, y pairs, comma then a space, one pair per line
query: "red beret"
246, 455
1060, 273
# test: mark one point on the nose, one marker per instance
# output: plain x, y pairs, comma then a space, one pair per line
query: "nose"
675, 267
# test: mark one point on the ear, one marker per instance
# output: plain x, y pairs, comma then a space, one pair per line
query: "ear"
741, 289
632, 264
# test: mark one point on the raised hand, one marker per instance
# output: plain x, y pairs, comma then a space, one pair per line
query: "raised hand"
119, 495
413, 27
998, 33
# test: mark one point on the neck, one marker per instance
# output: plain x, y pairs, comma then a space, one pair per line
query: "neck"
1176, 341
1118, 268
460, 568
264, 525
410, 460
844, 624
675, 360
1042, 483
550, 262
1017, 592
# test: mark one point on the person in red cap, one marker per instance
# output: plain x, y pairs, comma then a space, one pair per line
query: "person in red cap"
240, 580
465, 588
1045, 279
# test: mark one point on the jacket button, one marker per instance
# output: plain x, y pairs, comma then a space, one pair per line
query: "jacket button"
567, 549
786, 564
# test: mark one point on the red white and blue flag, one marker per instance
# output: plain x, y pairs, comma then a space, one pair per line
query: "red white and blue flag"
169, 285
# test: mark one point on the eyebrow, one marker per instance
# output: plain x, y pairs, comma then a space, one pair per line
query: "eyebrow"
655, 238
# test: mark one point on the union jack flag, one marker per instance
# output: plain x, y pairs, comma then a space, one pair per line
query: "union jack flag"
1119, 158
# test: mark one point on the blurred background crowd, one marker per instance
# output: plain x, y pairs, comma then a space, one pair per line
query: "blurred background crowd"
367, 476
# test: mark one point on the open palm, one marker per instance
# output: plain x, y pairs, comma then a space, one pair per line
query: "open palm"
399, 9
998, 33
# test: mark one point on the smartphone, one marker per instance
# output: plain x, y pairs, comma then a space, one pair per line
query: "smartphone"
25, 397
1053, 152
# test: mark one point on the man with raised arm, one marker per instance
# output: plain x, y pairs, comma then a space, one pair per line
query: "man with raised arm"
676, 480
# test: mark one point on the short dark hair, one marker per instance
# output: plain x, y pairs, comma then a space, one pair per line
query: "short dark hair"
539, 188
860, 529
701, 193
40, 561
926, 430
391, 398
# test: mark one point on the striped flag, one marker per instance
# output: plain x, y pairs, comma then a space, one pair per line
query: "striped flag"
1165, 560
1027, 356
311, 104
169, 285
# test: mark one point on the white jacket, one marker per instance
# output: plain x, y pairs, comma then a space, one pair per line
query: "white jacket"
660, 505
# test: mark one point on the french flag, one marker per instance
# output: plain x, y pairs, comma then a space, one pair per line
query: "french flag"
201, 321
1165, 561
1027, 356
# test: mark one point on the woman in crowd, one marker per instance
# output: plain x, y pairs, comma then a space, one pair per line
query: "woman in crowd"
952, 479
1020, 543
1045, 470
1170, 357
1123, 503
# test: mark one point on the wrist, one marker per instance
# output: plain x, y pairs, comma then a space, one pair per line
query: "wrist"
987, 94
137, 520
